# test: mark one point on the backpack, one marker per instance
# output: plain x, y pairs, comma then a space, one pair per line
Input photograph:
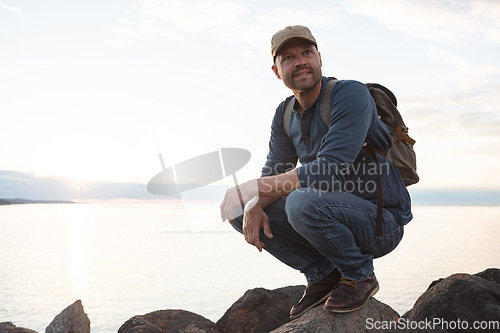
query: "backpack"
400, 154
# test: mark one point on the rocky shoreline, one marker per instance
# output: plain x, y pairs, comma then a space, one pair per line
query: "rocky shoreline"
453, 304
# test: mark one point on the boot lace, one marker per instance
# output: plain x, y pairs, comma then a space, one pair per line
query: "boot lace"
350, 283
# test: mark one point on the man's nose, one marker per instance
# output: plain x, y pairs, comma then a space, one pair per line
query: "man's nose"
300, 61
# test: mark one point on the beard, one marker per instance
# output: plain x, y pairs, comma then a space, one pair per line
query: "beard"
303, 84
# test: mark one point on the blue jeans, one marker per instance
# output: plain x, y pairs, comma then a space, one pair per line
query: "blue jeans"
315, 231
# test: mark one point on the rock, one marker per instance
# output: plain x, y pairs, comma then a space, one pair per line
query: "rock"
8, 327
165, 321
318, 320
460, 300
73, 319
260, 310
491, 274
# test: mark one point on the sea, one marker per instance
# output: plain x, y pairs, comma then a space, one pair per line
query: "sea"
126, 259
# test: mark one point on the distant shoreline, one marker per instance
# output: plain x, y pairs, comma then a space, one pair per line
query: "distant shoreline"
18, 201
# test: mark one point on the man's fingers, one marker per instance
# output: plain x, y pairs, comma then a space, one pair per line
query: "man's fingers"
236, 197
252, 238
267, 227
225, 209
257, 243
231, 201
259, 247
222, 213
254, 219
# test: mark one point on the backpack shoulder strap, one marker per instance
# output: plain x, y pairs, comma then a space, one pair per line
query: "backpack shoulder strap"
324, 106
324, 103
287, 114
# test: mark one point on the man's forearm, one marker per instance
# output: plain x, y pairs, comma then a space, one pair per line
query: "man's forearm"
265, 202
278, 186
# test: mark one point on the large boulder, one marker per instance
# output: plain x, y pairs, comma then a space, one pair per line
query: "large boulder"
260, 310
460, 300
166, 321
318, 320
8, 327
73, 319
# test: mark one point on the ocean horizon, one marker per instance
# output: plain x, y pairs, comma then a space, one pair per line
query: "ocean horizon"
123, 260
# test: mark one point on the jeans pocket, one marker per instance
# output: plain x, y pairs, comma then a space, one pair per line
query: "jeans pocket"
386, 243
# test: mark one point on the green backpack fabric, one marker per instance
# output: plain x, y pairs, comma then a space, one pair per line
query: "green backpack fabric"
401, 154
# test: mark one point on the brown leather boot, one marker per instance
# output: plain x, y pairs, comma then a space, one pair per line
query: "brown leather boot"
351, 295
315, 294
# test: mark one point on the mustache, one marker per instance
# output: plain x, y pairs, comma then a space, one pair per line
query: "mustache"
301, 68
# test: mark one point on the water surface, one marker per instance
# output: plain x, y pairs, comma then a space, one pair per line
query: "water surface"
124, 260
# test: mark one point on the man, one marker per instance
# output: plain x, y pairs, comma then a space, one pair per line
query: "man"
319, 218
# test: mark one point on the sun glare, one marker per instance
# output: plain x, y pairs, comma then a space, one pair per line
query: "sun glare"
78, 216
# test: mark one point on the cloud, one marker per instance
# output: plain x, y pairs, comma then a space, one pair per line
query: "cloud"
457, 140
445, 117
9, 8
121, 35
448, 21
472, 108
222, 20
125, 32
194, 16
470, 77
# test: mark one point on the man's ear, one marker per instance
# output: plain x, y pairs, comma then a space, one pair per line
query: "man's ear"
320, 62
275, 70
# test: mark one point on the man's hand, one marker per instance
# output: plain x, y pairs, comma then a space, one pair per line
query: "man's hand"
272, 186
237, 196
255, 219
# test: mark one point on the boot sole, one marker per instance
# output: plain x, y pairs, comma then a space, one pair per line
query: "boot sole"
346, 310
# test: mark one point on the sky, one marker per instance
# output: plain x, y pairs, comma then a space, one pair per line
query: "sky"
94, 90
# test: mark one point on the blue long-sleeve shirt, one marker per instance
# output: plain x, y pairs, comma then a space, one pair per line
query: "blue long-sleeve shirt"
332, 157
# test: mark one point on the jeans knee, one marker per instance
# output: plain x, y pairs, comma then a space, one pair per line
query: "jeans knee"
298, 204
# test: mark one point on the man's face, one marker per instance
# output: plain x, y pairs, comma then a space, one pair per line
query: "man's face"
298, 64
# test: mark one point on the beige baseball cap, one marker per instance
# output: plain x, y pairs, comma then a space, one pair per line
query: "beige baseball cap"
291, 32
